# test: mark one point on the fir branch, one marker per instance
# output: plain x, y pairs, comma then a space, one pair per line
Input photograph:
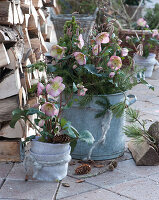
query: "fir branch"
83, 101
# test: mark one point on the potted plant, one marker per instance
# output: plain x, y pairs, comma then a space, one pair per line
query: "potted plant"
50, 150
145, 43
85, 12
97, 66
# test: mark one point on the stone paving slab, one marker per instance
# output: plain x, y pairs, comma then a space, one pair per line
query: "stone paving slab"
110, 178
5, 169
18, 172
139, 189
99, 194
30, 190
75, 188
149, 108
154, 177
130, 167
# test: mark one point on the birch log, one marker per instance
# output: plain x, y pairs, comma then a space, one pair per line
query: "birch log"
7, 106
6, 13
10, 85
4, 56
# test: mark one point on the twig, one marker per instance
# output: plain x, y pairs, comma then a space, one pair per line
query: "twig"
56, 192
137, 9
127, 16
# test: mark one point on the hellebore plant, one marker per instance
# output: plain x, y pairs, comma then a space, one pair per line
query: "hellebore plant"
97, 64
49, 122
147, 41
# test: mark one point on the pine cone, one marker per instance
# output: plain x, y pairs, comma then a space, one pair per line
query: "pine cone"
61, 138
114, 163
110, 167
83, 169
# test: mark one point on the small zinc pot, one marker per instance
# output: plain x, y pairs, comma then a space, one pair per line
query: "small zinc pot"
146, 63
49, 161
84, 118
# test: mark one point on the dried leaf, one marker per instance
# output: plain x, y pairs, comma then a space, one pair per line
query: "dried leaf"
65, 185
80, 181
98, 166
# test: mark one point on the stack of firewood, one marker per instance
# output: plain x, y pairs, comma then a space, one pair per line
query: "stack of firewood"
23, 32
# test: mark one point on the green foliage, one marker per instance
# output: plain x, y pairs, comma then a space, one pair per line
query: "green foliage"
80, 6
33, 89
83, 101
152, 16
41, 66
132, 115
118, 109
105, 104
50, 68
137, 132
134, 132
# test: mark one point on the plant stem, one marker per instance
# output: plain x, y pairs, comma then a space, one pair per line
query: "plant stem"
33, 125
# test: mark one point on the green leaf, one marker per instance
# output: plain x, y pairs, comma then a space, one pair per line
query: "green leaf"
69, 130
73, 145
74, 87
51, 68
91, 69
86, 136
32, 111
63, 122
17, 114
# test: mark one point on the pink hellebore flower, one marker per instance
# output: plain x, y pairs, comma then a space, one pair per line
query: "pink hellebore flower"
81, 41
40, 88
141, 22
115, 62
155, 33
128, 38
112, 74
119, 42
81, 90
74, 66
124, 52
102, 38
80, 57
55, 87
41, 123
49, 109
96, 49
57, 52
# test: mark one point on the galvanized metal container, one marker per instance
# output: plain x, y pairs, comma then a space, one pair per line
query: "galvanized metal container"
84, 118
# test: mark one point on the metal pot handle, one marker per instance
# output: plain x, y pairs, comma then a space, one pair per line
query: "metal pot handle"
130, 99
